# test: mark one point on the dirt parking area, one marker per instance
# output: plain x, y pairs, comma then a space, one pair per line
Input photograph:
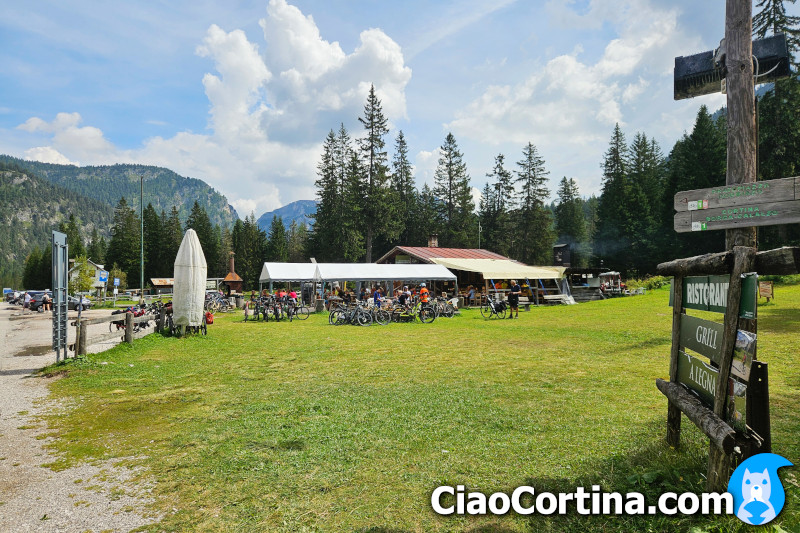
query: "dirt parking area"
96, 497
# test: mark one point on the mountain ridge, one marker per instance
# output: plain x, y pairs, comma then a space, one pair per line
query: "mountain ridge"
298, 211
108, 183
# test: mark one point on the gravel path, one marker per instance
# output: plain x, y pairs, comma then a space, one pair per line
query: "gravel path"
97, 497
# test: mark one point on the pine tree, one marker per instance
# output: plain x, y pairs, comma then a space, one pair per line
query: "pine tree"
405, 192
123, 248
250, 246
297, 236
500, 232
697, 161
608, 239
96, 251
171, 240
198, 221
72, 228
571, 221
377, 214
30, 274
278, 247
152, 245
772, 19
535, 230
322, 240
778, 112
452, 189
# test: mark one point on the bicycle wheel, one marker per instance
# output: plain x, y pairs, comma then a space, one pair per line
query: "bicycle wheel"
487, 311
427, 314
501, 313
383, 317
302, 313
449, 310
363, 318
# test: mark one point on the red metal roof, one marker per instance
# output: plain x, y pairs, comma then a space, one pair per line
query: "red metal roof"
424, 253
232, 276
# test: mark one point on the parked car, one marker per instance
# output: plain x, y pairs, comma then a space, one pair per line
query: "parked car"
36, 299
72, 302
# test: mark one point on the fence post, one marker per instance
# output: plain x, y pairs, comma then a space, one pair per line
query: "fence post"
129, 328
160, 322
82, 334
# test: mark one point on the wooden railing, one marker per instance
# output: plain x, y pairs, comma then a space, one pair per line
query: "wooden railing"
82, 341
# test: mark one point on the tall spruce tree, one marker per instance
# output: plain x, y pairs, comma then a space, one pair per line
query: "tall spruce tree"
452, 190
571, 222
297, 237
96, 251
405, 192
535, 232
498, 230
198, 221
152, 245
72, 228
250, 246
123, 247
278, 244
609, 241
171, 239
377, 214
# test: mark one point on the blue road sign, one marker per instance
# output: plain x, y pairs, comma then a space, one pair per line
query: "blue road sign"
102, 276
116, 282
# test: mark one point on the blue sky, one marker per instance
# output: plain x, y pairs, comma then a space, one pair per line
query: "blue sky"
241, 94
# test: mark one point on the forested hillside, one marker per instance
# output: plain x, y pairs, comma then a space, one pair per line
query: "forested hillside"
163, 188
30, 208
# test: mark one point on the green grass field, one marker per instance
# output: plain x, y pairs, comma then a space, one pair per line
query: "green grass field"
311, 427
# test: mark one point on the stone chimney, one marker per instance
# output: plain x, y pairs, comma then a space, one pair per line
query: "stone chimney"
231, 263
433, 241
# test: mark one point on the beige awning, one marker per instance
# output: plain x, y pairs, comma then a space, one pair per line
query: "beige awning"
501, 268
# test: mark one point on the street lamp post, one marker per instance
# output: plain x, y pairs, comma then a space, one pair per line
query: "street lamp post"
141, 239
479, 233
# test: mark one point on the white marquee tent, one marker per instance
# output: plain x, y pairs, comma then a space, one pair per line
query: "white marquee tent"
272, 272
376, 272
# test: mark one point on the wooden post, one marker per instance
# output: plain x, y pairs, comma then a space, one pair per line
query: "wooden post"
129, 328
719, 463
741, 107
83, 334
673, 411
162, 313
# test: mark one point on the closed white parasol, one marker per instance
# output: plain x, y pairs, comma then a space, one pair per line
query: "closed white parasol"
189, 291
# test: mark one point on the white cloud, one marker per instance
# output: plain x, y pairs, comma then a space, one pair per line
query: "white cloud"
269, 110
570, 105
425, 166
47, 154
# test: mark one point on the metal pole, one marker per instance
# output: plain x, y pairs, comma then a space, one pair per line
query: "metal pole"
141, 241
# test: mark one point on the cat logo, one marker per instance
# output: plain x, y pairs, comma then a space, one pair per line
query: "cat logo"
758, 494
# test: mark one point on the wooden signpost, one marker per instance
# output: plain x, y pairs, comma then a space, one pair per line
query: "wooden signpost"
727, 397
762, 203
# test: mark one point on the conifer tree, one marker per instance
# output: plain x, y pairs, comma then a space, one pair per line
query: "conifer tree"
571, 222
278, 244
96, 251
171, 239
152, 245
405, 192
72, 228
454, 195
535, 230
376, 207
198, 220
123, 248
499, 232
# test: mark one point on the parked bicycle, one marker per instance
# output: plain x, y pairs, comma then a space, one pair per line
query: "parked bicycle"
492, 309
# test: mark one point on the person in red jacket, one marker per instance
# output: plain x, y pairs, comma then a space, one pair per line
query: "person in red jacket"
423, 293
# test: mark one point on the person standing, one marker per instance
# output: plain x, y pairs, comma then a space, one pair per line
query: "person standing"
377, 297
26, 301
423, 293
513, 298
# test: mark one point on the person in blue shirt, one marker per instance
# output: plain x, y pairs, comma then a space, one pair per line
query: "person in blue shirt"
377, 297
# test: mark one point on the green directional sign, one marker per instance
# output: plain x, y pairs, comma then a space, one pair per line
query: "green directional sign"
710, 293
701, 379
